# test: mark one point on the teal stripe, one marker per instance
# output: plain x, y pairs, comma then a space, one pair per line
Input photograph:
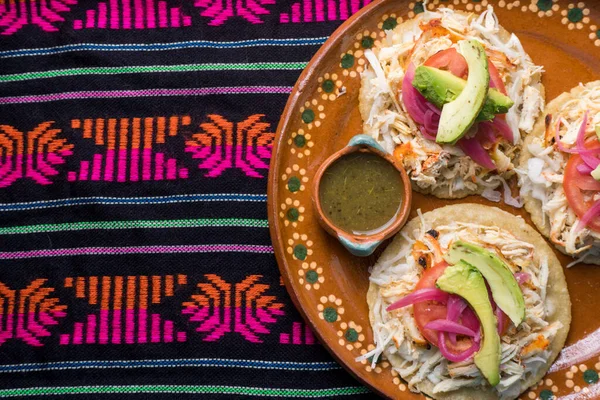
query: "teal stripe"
184, 389
142, 69
137, 224
203, 44
171, 363
100, 200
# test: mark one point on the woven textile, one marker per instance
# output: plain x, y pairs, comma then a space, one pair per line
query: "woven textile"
135, 258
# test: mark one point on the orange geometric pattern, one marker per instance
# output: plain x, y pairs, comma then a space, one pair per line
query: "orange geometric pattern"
220, 149
210, 308
253, 311
130, 149
35, 312
32, 155
123, 309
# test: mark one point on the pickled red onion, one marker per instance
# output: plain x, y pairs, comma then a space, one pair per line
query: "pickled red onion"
590, 214
584, 168
415, 103
426, 134
419, 296
475, 150
456, 306
578, 149
432, 122
590, 160
470, 320
522, 277
444, 325
502, 127
485, 133
432, 107
455, 357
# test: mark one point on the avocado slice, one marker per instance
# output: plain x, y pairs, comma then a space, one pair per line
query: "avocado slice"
596, 173
466, 281
440, 87
460, 114
505, 288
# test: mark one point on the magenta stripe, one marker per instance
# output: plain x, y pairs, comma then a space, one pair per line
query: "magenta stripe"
139, 14
102, 15
115, 94
127, 14
83, 251
78, 333
150, 16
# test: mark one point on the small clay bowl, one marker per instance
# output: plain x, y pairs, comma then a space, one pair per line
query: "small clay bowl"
363, 244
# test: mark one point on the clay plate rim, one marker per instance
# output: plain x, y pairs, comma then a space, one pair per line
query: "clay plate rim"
273, 182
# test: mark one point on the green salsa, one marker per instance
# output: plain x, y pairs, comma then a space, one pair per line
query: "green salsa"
361, 192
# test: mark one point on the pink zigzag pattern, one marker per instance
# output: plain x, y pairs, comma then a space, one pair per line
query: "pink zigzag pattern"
14, 14
221, 10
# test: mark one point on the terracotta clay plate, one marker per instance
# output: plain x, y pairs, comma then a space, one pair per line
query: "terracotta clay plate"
327, 284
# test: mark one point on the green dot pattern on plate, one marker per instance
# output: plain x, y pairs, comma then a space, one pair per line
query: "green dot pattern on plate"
389, 23
590, 376
367, 42
546, 394
351, 335
330, 314
293, 184
575, 14
308, 116
312, 276
419, 7
598, 33
328, 86
300, 141
544, 5
347, 61
300, 252
293, 214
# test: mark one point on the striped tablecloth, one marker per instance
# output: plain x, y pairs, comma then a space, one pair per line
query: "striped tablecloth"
135, 139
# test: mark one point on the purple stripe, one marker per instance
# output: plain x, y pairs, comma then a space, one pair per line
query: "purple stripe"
114, 94
84, 251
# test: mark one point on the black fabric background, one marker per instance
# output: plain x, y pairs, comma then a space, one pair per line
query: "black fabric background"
232, 267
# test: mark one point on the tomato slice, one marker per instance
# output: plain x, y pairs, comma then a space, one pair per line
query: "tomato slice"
495, 79
428, 311
449, 60
575, 184
452, 61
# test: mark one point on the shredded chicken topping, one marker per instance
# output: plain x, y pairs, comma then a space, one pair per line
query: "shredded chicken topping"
433, 166
543, 179
524, 348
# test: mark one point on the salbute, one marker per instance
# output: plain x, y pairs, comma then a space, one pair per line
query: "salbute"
436, 322
451, 114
